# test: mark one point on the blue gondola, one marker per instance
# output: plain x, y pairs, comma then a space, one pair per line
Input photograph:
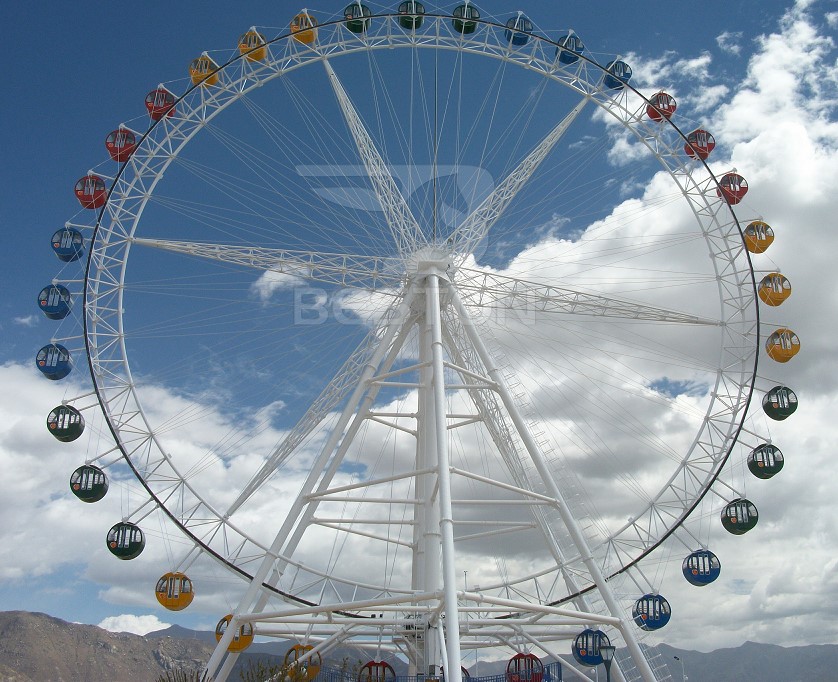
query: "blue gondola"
586, 647
65, 423
765, 461
651, 612
739, 516
90, 484
411, 15
54, 301
68, 244
518, 30
701, 567
53, 360
569, 49
125, 540
617, 74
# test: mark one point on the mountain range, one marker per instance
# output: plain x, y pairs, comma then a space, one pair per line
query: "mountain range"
35, 647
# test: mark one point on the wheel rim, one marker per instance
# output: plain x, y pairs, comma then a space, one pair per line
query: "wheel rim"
143, 445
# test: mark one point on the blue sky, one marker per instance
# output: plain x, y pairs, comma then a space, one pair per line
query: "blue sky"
94, 64
76, 71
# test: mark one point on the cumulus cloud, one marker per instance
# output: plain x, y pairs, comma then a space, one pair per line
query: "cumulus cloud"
138, 625
730, 41
778, 129
270, 282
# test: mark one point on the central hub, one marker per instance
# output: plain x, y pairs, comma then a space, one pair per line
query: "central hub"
430, 260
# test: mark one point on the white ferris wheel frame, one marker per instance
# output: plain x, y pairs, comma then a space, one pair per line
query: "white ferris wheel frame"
210, 528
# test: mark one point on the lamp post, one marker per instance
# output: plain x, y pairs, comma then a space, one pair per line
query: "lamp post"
607, 653
683, 676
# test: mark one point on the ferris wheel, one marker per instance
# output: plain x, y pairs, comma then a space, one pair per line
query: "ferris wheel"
412, 317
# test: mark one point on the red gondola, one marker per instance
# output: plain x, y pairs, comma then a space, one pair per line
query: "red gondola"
376, 671
524, 668
661, 106
160, 103
699, 144
91, 191
120, 144
732, 188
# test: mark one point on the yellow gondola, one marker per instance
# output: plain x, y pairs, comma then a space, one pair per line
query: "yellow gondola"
308, 669
758, 236
782, 345
304, 28
241, 640
203, 71
774, 289
174, 591
253, 46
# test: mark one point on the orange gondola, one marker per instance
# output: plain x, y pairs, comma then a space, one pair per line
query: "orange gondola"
241, 640
758, 236
203, 71
308, 669
174, 591
304, 28
782, 345
774, 289
253, 46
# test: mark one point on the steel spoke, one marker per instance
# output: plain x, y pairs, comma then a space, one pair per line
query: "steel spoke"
403, 226
363, 272
477, 225
491, 290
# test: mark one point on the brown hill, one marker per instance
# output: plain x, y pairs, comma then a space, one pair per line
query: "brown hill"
38, 648
35, 647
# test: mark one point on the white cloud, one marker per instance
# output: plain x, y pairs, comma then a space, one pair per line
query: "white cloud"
138, 625
662, 70
270, 282
730, 41
27, 321
778, 129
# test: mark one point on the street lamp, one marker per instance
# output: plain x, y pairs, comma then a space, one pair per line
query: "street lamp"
683, 676
607, 653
